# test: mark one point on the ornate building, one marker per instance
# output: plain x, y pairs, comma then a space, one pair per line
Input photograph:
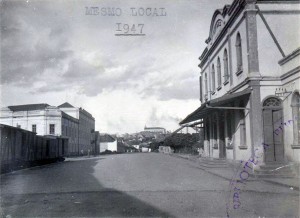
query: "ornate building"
249, 82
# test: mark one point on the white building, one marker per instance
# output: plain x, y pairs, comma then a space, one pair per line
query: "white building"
107, 142
65, 120
249, 82
40, 118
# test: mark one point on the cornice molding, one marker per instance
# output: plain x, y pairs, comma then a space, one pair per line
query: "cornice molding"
290, 73
289, 57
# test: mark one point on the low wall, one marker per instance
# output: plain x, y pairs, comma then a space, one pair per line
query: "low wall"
21, 148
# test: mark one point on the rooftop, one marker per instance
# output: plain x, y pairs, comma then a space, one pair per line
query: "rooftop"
28, 107
66, 105
106, 138
154, 127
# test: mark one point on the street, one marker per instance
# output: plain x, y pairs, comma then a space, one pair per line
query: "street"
136, 185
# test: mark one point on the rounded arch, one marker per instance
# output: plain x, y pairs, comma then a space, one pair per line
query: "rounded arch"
213, 77
215, 18
238, 39
271, 101
225, 64
295, 106
225, 54
239, 53
219, 72
272, 119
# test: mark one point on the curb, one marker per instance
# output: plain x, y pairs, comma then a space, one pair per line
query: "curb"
282, 184
216, 174
29, 168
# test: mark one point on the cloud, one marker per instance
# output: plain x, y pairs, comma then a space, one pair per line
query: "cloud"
36, 53
55, 53
28, 48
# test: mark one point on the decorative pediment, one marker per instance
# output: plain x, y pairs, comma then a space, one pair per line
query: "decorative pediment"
218, 26
217, 22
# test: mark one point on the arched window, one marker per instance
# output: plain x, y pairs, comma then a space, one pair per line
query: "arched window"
213, 85
219, 72
296, 118
239, 59
201, 84
225, 60
272, 102
206, 86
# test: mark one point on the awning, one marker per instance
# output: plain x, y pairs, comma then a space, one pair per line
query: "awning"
203, 111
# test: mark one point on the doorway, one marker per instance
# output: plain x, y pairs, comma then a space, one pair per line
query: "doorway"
272, 120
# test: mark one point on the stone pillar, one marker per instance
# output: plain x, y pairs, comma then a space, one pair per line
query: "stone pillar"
251, 33
256, 119
256, 124
210, 140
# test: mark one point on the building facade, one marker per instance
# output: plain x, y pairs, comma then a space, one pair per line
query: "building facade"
155, 130
249, 82
86, 127
76, 124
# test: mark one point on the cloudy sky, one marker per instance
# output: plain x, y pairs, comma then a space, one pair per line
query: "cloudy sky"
52, 52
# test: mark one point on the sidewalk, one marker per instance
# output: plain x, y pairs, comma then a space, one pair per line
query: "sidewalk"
229, 172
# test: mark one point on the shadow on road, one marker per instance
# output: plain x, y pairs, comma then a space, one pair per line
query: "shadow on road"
67, 190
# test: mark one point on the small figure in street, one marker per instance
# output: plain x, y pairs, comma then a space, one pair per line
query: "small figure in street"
200, 151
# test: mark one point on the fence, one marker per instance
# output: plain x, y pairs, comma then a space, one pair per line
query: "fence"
21, 148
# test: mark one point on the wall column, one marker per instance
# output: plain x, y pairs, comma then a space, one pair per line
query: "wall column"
251, 33
256, 119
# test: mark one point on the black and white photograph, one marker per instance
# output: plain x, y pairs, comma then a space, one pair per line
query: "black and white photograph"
150, 108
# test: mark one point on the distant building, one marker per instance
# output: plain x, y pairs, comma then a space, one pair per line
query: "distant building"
86, 127
76, 125
155, 129
107, 142
42, 119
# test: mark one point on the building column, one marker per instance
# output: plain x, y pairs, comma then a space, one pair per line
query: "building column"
251, 33
210, 137
256, 119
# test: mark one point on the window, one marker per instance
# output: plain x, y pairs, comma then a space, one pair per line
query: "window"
33, 128
201, 87
206, 86
239, 59
213, 85
242, 126
296, 118
219, 72
225, 60
52, 129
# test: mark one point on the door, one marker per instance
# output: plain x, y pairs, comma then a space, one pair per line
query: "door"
222, 153
272, 119
278, 138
